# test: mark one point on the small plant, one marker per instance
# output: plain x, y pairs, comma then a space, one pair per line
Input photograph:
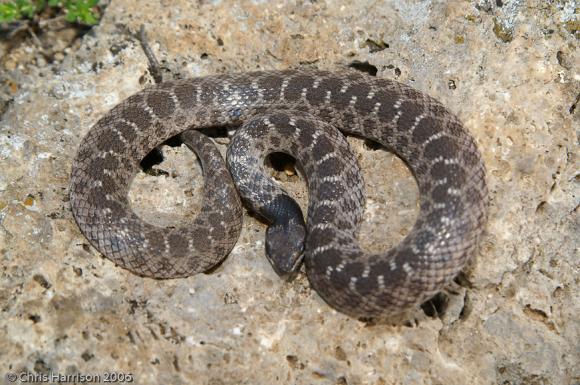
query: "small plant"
75, 11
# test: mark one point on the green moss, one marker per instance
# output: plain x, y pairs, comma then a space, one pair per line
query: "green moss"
471, 18
504, 33
573, 26
75, 11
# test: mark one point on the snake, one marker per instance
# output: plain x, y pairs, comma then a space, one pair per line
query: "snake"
306, 114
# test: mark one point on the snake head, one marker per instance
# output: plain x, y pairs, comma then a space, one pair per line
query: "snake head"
285, 246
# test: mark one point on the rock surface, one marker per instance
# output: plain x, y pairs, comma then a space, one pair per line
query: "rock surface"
506, 68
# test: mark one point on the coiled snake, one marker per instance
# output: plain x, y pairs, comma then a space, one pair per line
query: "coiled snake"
297, 112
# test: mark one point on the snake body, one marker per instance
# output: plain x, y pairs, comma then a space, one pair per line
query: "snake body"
283, 111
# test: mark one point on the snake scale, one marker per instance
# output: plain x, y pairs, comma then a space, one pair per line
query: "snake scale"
297, 112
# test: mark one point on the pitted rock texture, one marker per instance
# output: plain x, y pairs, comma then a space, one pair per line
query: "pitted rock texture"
511, 317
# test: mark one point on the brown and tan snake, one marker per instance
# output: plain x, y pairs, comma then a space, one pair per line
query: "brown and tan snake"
296, 112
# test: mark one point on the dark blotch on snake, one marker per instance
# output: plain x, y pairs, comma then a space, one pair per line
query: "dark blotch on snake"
161, 104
